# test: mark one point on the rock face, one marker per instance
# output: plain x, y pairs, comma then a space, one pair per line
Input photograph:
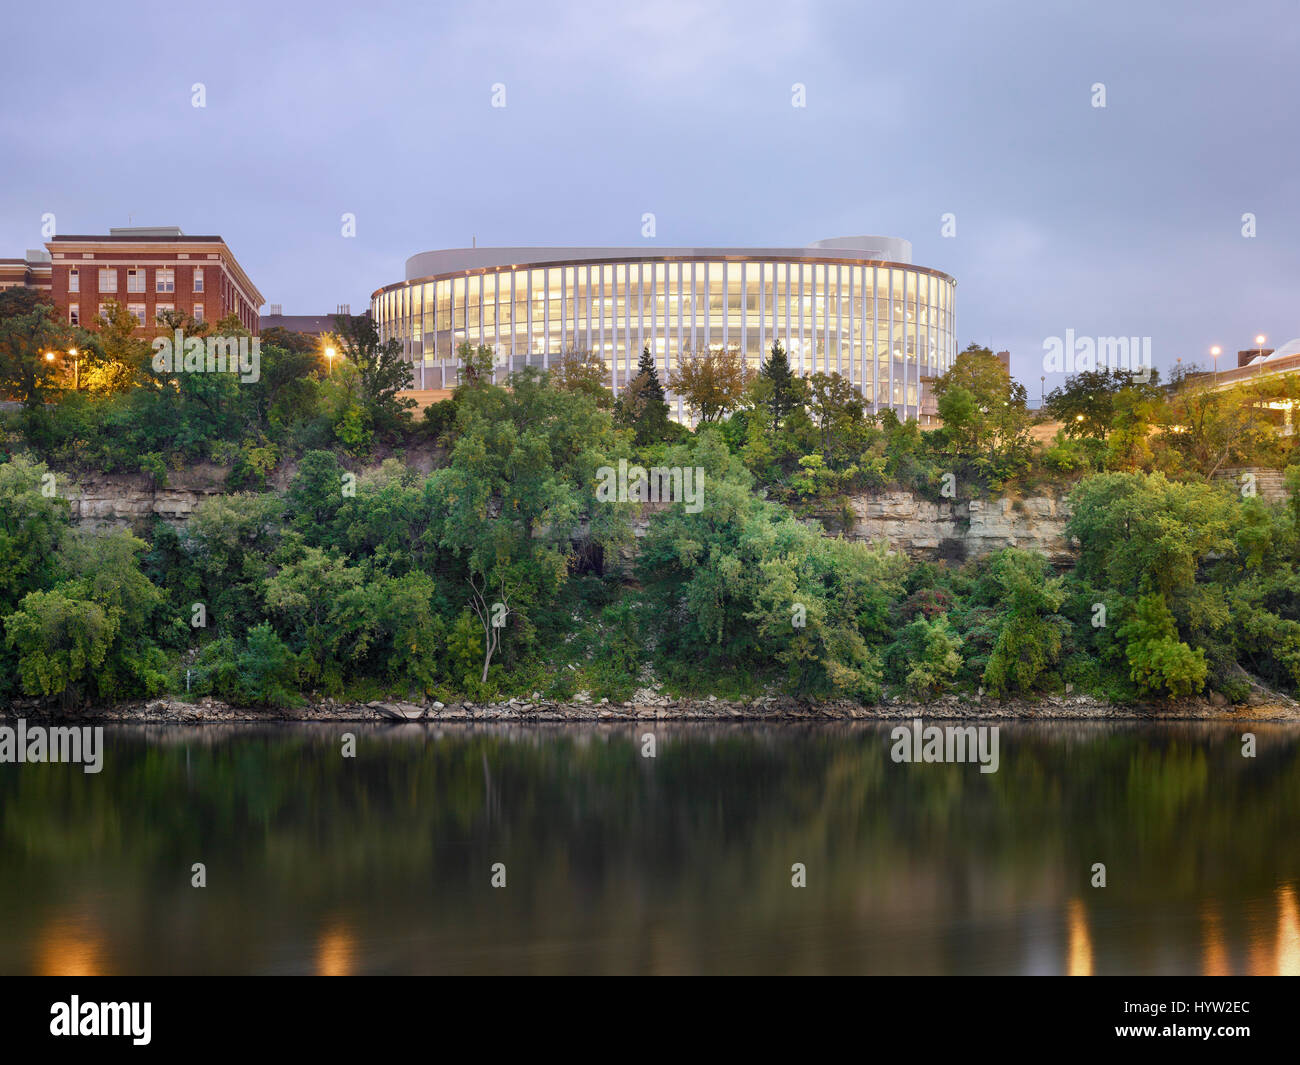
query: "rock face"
648, 707
955, 530
99, 499
961, 529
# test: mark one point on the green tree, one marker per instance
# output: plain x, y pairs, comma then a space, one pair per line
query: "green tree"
1086, 404
584, 372
266, 670
1030, 629
60, 640
26, 373
32, 521
985, 420
523, 468
642, 406
477, 364
781, 397
1159, 661
383, 373
927, 654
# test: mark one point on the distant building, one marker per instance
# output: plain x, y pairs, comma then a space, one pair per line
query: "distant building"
857, 306
1259, 364
1254, 364
1250, 355
149, 270
312, 325
32, 271
1004, 357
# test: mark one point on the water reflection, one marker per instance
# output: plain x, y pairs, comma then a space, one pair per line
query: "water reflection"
68, 946
680, 863
336, 952
1288, 932
1216, 948
1080, 956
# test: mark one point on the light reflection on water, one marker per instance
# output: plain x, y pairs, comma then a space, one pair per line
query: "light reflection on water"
682, 863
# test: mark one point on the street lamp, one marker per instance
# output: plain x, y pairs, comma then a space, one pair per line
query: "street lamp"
329, 360
76, 368
1259, 343
1216, 351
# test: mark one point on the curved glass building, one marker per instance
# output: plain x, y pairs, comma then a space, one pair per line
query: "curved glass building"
854, 305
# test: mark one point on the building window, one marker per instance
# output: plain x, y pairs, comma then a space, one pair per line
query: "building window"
165, 280
198, 279
103, 311
74, 280
107, 279
163, 308
135, 281
137, 309
74, 314
198, 312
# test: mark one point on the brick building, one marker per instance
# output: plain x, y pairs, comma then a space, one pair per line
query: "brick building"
312, 325
149, 270
32, 271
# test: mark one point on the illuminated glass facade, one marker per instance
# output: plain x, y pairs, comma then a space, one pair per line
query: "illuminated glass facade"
883, 323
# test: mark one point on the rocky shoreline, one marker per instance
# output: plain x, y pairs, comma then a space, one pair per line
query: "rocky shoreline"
654, 707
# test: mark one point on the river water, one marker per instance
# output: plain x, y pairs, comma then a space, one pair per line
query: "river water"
614, 862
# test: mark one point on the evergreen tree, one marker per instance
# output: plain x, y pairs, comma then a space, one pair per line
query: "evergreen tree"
653, 391
642, 406
777, 371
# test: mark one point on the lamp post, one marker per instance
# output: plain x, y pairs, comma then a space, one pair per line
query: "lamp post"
329, 361
1216, 351
76, 368
1259, 343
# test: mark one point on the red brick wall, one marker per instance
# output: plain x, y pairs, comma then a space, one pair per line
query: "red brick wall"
219, 296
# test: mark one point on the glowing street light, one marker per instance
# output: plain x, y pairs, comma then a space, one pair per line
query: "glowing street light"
76, 368
1216, 351
329, 360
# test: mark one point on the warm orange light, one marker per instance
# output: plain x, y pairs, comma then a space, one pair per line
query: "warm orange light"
49, 356
1078, 417
72, 352
1079, 958
1216, 351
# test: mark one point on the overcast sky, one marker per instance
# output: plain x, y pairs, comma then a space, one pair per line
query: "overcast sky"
1122, 220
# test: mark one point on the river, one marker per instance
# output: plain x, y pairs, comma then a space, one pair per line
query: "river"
615, 862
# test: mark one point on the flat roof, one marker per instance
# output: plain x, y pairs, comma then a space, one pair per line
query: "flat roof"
134, 238
861, 250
